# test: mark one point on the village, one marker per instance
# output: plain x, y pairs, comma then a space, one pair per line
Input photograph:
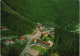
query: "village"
40, 40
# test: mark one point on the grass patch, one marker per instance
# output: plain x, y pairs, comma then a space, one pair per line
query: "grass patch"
37, 48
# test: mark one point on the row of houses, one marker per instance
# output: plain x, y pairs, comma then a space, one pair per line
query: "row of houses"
8, 40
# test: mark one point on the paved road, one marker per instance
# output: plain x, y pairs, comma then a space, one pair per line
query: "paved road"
27, 49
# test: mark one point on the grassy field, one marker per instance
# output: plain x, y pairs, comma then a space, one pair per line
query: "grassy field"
37, 48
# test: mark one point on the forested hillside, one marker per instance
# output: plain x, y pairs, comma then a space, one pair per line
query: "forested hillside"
16, 25
45, 11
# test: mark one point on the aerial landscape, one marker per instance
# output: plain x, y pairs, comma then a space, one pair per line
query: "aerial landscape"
40, 28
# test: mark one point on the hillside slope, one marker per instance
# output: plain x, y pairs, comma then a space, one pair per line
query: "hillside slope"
45, 11
16, 25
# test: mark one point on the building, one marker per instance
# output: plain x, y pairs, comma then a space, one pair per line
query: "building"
35, 30
7, 39
40, 26
4, 28
21, 38
45, 34
42, 43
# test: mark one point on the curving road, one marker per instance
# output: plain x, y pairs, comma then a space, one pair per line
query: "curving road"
27, 47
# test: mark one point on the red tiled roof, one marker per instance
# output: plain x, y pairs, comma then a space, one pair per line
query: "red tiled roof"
21, 38
34, 30
45, 33
39, 25
4, 27
7, 39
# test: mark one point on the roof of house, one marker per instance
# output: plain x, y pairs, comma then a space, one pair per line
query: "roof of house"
34, 30
45, 33
7, 39
42, 42
21, 38
39, 25
4, 27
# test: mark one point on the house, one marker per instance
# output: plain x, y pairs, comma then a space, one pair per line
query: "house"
7, 39
4, 28
39, 26
21, 38
42, 43
35, 30
45, 34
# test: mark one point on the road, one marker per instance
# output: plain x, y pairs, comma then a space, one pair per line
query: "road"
27, 48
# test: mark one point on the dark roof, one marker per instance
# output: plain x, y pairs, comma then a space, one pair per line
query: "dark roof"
42, 42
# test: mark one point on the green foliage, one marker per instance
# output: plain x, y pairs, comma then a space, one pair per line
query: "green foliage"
2, 44
42, 35
66, 18
15, 24
37, 10
13, 51
66, 44
42, 52
46, 39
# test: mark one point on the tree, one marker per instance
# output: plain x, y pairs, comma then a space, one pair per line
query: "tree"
42, 35
13, 51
